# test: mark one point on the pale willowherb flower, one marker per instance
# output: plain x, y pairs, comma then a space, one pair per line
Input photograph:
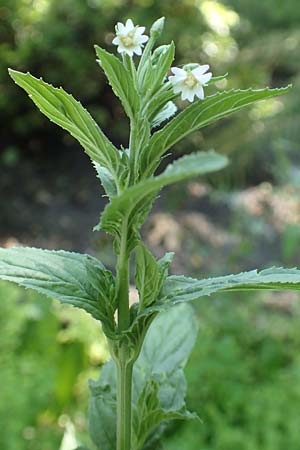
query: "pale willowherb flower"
129, 38
190, 82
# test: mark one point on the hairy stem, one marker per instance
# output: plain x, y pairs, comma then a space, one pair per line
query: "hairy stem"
123, 360
124, 401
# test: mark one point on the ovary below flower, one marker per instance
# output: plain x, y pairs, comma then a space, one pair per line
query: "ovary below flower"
190, 82
129, 38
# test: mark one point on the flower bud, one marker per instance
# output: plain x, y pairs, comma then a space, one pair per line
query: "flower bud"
157, 28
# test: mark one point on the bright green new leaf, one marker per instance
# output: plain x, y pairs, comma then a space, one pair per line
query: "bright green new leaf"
72, 278
160, 64
120, 80
128, 210
197, 115
62, 109
179, 289
150, 275
159, 386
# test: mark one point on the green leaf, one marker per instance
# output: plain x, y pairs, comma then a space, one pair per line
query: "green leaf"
158, 101
106, 179
149, 414
166, 113
198, 115
179, 289
62, 109
72, 278
150, 275
120, 80
102, 415
131, 207
161, 61
159, 385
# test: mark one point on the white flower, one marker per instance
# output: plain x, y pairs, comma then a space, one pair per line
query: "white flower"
190, 82
129, 39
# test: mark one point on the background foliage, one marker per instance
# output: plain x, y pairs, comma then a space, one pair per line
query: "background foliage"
244, 372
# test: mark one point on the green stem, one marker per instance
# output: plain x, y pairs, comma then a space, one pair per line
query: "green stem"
123, 360
124, 401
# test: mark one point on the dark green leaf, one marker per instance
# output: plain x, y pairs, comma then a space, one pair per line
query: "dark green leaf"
179, 289
159, 386
62, 109
131, 207
102, 416
72, 278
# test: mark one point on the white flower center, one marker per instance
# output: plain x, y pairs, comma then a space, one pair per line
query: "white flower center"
191, 81
128, 39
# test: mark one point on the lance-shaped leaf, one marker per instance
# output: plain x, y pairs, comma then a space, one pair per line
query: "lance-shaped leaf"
198, 115
150, 275
179, 289
156, 70
128, 211
62, 109
159, 385
72, 278
120, 80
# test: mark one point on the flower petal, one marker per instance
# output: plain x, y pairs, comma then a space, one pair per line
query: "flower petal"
200, 70
137, 50
178, 72
129, 25
200, 92
140, 30
120, 27
142, 39
116, 40
205, 78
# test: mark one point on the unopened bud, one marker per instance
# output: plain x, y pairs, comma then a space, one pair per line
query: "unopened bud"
157, 27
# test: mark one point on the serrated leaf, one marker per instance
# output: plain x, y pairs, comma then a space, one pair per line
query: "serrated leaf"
150, 275
149, 414
106, 179
73, 278
132, 206
120, 80
179, 289
197, 115
167, 346
166, 113
62, 109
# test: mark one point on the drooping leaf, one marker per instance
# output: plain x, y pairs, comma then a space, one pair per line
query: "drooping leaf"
199, 114
159, 386
120, 80
62, 109
179, 289
131, 207
73, 278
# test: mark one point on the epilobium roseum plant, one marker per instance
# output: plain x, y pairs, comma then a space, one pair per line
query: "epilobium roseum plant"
143, 386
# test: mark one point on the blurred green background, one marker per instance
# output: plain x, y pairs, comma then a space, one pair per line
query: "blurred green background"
245, 370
